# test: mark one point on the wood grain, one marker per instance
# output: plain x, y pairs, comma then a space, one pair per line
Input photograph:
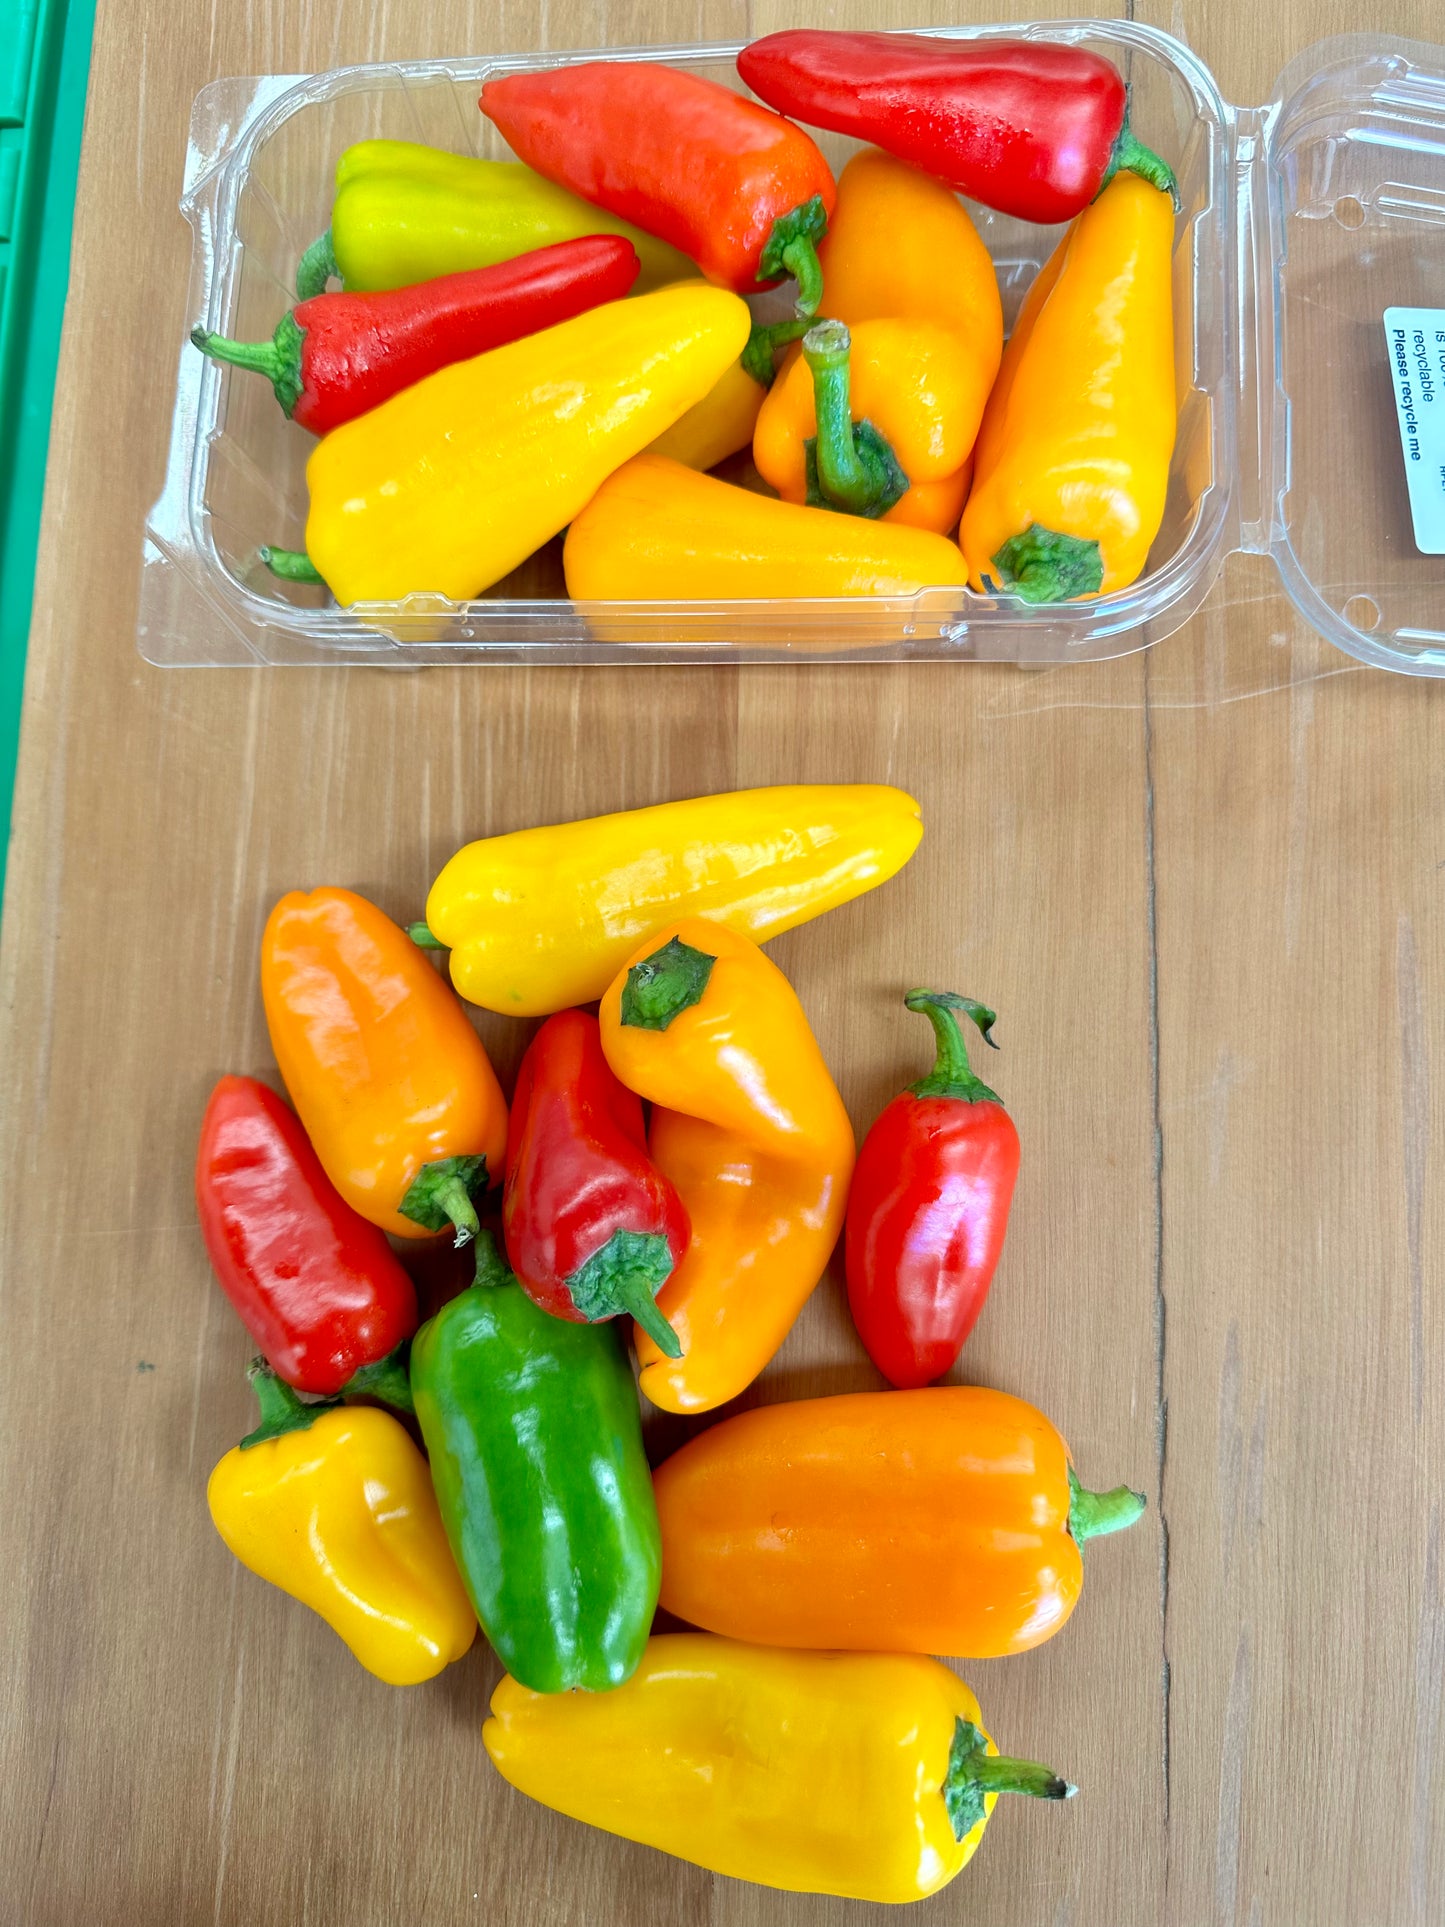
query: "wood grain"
1204, 889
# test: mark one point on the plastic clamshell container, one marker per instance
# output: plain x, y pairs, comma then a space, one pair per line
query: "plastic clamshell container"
1301, 221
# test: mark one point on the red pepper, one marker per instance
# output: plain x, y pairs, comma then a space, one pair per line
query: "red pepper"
929, 1207
1030, 127
318, 1288
592, 1227
338, 356
743, 191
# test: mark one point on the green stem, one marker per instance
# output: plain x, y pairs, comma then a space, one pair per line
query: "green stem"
974, 1773
764, 342
492, 1269
1131, 156
1093, 1514
1042, 566
857, 471
292, 565
386, 1379
444, 1193
626, 1274
278, 359
664, 985
951, 1075
316, 268
422, 937
281, 1410
792, 248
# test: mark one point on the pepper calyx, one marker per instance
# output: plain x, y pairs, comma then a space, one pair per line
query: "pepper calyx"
792, 248
278, 359
316, 267
626, 1274
444, 1195
974, 1773
1093, 1514
1129, 155
282, 1409
951, 1075
424, 939
1040, 565
292, 565
385, 1379
664, 985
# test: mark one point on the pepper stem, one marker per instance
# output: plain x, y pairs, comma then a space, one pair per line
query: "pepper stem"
664, 985
764, 342
444, 1194
1041, 565
626, 1274
492, 1268
974, 1773
386, 1379
792, 248
281, 1410
856, 470
316, 267
423, 938
278, 359
292, 565
951, 1075
1092, 1514
1131, 156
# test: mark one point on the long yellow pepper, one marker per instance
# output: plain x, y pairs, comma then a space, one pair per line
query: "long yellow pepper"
1072, 463
453, 482
865, 1775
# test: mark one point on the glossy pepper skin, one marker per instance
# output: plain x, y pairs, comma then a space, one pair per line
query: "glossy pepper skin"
541, 919
317, 1287
658, 531
929, 1207
877, 420
943, 1521
1072, 465
717, 426
339, 355
592, 1227
1029, 127
749, 1127
453, 482
334, 1505
742, 191
866, 1776
535, 1439
406, 213
392, 1083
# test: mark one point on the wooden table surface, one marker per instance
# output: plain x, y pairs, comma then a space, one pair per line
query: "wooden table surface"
1205, 887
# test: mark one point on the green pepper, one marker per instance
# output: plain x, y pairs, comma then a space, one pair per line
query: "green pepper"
535, 1436
405, 213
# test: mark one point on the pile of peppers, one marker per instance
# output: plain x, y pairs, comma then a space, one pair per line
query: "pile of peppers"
675, 1165
578, 341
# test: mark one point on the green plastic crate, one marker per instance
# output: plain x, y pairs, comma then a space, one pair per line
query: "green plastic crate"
44, 62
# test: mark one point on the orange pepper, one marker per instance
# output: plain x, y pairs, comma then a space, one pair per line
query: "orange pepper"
393, 1085
917, 384
749, 1128
946, 1520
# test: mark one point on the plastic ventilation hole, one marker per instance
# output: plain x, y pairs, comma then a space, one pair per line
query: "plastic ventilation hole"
1349, 212
1363, 613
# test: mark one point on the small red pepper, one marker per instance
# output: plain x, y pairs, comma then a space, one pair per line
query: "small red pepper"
743, 191
929, 1207
338, 356
1030, 127
592, 1227
318, 1288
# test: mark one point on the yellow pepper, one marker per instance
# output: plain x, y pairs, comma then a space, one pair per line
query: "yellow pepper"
748, 1127
456, 480
542, 919
1072, 465
657, 531
899, 405
901, 243
334, 1505
717, 426
867, 1776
